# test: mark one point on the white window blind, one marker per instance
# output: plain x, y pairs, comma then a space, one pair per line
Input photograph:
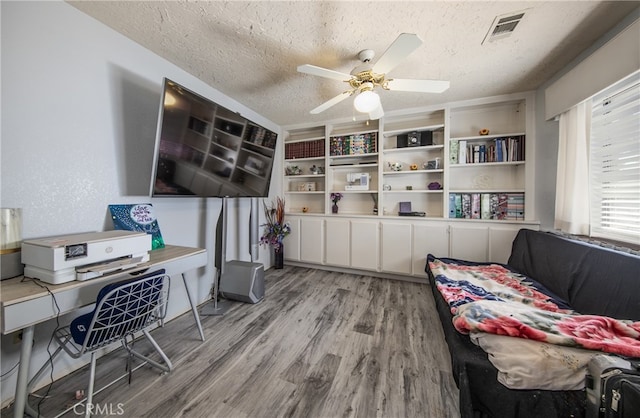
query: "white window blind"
615, 162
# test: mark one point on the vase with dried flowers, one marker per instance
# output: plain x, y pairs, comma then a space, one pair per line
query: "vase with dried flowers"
275, 229
335, 198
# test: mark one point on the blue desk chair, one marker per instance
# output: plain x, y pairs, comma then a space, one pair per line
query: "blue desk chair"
122, 309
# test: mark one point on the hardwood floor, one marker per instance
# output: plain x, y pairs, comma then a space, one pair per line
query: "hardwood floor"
321, 344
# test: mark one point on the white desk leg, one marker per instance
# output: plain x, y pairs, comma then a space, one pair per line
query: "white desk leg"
193, 308
23, 372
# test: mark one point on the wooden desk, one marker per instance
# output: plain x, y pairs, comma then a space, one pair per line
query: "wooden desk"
25, 302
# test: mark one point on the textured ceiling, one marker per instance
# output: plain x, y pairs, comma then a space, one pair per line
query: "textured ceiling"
250, 50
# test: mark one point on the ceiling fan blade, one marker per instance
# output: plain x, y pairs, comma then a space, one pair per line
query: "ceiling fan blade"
376, 113
326, 105
404, 45
420, 86
323, 72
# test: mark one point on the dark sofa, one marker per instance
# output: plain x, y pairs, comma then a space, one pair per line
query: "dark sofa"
590, 278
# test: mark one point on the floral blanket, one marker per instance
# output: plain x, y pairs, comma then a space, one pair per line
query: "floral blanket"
491, 298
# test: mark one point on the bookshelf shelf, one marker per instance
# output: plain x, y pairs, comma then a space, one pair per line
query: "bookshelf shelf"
372, 148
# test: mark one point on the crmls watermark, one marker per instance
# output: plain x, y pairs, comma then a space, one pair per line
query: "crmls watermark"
100, 409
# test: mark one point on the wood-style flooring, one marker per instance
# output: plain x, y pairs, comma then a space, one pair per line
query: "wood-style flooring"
321, 344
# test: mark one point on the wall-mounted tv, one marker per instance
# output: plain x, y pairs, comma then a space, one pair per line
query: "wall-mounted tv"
204, 149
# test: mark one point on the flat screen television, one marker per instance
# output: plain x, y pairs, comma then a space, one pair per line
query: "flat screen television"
206, 150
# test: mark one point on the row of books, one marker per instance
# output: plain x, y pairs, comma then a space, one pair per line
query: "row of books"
353, 144
492, 151
497, 206
304, 149
261, 136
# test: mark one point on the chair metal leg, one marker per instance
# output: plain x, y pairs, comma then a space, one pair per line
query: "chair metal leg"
92, 375
167, 367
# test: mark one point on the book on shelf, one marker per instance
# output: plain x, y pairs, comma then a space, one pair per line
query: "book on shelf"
485, 205
462, 152
491, 206
501, 211
466, 205
304, 149
452, 205
495, 150
454, 148
515, 206
353, 144
475, 205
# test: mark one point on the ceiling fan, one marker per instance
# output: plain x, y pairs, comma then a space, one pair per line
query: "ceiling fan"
366, 77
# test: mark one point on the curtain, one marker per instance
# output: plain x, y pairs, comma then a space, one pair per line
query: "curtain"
572, 180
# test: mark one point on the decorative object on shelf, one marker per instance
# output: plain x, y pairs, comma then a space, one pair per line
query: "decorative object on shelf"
275, 229
314, 170
413, 167
293, 170
357, 181
307, 186
482, 181
395, 166
409, 187
386, 187
432, 164
305, 209
434, 186
139, 217
335, 198
484, 131
374, 196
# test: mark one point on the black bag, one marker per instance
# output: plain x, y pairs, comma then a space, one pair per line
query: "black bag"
613, 388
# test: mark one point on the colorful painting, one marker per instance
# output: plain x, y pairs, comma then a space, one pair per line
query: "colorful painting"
138, 217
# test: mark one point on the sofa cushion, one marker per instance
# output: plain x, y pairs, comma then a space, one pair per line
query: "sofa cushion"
592, 279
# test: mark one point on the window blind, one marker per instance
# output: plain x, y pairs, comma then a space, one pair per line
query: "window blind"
615, 162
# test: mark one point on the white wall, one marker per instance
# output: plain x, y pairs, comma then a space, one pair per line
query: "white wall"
79, 113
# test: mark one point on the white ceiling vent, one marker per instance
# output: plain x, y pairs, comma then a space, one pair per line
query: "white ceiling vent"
503, 26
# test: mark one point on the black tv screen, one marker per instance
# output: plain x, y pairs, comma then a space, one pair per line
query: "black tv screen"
204, 149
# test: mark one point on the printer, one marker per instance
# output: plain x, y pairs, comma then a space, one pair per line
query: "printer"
84, 256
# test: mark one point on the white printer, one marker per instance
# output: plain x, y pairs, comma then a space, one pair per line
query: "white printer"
84, 256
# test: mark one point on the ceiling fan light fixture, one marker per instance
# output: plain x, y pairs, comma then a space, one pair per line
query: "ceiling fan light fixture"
366, 101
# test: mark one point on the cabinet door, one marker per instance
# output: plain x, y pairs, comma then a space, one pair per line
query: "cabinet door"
337, 242
311, 240
428, 239
500, 240
469, 243
292, 241
364, 244
396, 247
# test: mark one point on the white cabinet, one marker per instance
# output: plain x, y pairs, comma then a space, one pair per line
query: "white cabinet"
337, 242
469, 242
312, 240
292, 241
396, 247
365, 245
367, 233
305, 243
486, 242
500, 240
428, 238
